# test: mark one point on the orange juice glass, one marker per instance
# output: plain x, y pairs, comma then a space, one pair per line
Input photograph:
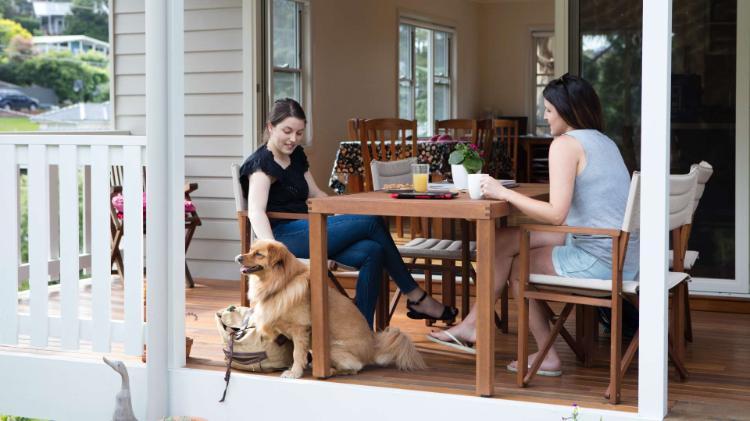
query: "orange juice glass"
420, 176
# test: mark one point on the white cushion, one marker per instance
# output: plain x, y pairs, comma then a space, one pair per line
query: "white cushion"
628, 287
691, 256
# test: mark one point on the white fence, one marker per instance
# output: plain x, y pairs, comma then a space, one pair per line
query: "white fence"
53, 164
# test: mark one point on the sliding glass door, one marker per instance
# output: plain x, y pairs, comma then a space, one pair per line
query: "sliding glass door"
606, 50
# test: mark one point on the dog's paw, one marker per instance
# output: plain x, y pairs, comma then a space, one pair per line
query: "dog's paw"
291, 374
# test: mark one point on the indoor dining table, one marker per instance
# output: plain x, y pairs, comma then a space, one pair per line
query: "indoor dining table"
483, 212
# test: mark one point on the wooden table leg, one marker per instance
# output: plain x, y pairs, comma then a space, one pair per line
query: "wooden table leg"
486, 307
319, 296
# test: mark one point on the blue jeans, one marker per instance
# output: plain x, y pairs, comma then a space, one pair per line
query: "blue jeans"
354, 240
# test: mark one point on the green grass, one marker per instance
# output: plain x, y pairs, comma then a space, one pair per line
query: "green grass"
14, 418
17, 124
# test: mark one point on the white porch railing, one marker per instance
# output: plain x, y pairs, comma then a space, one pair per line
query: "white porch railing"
53, 164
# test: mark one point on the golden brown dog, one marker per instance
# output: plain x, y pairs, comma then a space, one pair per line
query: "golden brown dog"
279, 292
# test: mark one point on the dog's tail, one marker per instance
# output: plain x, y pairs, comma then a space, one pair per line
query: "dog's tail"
394, 347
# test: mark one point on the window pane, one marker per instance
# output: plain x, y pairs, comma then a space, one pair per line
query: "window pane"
404, 101
285, 48
421, 55
404, 52
286, 85
442, 98
442, 51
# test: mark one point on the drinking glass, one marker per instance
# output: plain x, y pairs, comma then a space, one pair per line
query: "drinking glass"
420, 176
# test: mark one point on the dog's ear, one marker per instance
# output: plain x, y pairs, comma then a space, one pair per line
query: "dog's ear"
276, 254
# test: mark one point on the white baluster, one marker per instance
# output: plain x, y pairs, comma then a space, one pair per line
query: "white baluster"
9, 250
100, 249
68, 201
38, 200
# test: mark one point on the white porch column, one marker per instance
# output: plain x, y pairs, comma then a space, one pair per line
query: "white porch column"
165, 253
655, 127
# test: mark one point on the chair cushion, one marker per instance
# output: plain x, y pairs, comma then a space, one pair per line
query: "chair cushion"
691, 256
583, 284
435, 248
390, 172
118, 203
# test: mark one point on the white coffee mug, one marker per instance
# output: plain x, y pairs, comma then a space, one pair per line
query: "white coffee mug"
475, 191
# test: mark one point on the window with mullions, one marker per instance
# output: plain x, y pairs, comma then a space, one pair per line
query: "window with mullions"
544, 71
425, 75
287, 70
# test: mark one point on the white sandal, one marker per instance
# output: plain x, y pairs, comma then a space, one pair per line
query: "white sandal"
455, 343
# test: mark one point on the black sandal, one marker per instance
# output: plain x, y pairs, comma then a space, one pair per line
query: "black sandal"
449, 313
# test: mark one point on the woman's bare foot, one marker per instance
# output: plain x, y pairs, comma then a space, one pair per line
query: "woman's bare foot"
462, 331
550, 364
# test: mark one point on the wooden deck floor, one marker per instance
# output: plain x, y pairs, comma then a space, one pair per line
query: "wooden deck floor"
718, 360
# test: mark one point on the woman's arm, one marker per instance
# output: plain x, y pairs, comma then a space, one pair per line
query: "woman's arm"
565, 155
257, 198
315, 191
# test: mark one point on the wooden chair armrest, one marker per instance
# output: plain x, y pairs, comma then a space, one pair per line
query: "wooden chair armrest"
277, 215
571, 230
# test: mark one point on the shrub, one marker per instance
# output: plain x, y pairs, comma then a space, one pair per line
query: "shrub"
9, 29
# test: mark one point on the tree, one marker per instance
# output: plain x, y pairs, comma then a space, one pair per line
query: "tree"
90, 18
9, 29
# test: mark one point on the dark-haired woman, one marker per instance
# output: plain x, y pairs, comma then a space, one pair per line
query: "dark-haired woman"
589, 186
276, 178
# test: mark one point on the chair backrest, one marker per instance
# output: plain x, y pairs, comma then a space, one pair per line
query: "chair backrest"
353, 128
387, 172
705, 171
485, 139
632, 220
386, 139
458, 129
682, 189
506, 133
240, 202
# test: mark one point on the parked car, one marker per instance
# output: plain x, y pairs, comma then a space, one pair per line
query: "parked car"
16, 100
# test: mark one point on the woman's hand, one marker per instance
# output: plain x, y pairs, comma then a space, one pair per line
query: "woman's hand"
492, 189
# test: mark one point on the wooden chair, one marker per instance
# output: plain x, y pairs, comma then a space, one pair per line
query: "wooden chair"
705, 171
352, 128
457, 128
448, 252
382, 315
603, 292
506, 135
192, 221
388, 139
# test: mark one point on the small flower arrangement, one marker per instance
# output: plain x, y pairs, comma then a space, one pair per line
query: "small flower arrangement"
467, 155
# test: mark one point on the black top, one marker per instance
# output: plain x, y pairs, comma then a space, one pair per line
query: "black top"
288, 192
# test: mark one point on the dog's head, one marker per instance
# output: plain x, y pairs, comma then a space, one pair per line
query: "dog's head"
263, 256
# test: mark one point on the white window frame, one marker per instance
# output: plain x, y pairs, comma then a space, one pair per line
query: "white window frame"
304, 60
452, 67
533, 34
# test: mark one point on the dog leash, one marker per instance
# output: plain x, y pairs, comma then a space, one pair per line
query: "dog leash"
244, 358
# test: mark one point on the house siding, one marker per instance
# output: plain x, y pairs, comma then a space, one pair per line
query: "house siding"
213, 115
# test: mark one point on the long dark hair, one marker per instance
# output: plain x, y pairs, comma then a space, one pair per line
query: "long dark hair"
576, 101
284, 108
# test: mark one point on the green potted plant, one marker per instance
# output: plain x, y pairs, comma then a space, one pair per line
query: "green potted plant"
465, 159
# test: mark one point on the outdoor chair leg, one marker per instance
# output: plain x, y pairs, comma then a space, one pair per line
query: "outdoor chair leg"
548, 345
688, 319
189, 277
428, 287
574, 344
449, 286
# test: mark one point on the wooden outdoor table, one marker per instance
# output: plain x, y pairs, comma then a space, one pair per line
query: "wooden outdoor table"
484, 212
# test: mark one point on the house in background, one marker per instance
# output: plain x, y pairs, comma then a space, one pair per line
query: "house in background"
51, 16
83, 116
76, 44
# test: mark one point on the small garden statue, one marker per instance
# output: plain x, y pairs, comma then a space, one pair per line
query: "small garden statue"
123, 404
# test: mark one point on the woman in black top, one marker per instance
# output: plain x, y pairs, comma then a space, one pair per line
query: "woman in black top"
276, 178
